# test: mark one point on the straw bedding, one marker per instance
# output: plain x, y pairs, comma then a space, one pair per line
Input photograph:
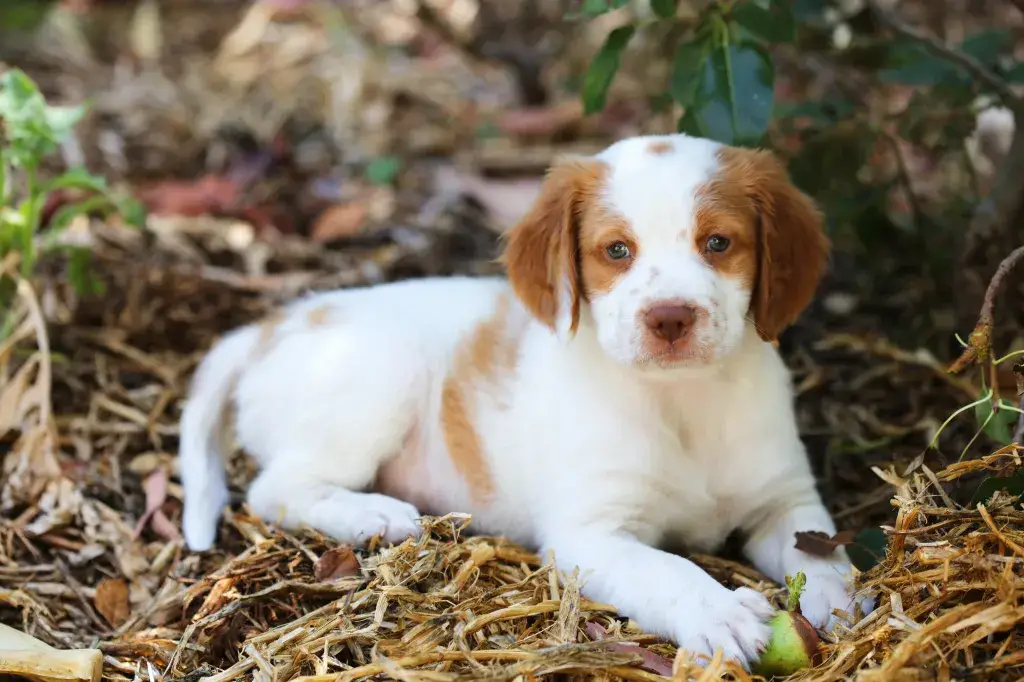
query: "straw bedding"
90, 553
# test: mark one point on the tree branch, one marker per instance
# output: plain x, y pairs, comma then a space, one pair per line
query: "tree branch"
950, 53
980, 343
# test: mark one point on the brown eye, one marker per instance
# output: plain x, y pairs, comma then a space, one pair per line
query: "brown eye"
617, 251
717, 244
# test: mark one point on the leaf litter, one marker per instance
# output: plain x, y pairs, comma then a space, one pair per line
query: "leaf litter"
90, 554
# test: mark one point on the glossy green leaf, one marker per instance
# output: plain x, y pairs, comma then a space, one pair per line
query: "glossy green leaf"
774, 24
666, 9
999, 426
602, 70
688, 71
868, 548
736, 96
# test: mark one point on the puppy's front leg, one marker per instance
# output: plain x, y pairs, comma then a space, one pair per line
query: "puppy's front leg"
771, 547
665, 594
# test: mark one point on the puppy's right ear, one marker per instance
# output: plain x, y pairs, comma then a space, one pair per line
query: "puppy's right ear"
542, 251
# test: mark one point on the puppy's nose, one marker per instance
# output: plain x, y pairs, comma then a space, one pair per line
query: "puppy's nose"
670, 322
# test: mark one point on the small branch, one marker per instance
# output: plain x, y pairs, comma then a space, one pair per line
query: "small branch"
950, 53
987, 314
980, 342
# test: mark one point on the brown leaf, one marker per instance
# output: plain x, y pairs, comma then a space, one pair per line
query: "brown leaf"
649, 660
112, 600
209, 194
340, 221
155, 486
820, 544
337, 562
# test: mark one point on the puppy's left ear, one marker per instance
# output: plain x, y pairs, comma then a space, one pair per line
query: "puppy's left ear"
542, 251
793, 248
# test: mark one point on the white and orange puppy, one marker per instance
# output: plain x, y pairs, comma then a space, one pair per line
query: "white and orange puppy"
618, 391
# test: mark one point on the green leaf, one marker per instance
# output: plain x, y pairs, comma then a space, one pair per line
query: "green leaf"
868, 548
80, 273
688, 71
61, 120
594, 8
132, 211
602, 70
999, 426
383, 170
666, 9
773, 24
736, 97
23, 15
78, 178
795, 585
1015, 74
1012, 484
911, 64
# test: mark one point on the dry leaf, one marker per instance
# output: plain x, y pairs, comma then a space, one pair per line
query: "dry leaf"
340, 221
338, 562
112, 600
155, 487
650, 660
821, 544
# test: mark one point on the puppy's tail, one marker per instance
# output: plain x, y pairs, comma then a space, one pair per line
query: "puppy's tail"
205, 433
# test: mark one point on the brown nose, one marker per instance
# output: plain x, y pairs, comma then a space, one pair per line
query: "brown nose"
670, 322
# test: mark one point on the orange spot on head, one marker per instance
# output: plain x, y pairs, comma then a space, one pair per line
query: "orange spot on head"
660, 147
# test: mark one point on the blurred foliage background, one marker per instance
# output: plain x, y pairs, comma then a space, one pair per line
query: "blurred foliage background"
272, 146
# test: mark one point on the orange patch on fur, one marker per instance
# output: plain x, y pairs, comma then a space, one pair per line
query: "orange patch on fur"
268, 330
317, 317
489, 353
777, 249
659, 147
598, 231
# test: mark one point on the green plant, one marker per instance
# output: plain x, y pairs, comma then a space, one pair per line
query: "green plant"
30, 131
855, 157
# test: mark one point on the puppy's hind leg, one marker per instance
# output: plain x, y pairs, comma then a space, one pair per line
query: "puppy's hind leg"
294, 499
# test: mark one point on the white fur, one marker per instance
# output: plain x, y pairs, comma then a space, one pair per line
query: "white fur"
593, 452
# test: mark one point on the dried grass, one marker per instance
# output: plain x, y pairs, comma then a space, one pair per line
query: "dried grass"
90, 553
95, 559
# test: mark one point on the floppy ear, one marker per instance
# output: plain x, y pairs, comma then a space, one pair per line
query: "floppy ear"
793, 248
542, 251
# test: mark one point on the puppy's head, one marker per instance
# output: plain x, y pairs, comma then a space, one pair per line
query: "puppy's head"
668, 246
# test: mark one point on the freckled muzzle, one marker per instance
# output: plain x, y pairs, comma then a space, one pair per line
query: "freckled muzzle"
669, 326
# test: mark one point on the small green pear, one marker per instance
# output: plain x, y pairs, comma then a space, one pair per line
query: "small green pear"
794, 644
792, 647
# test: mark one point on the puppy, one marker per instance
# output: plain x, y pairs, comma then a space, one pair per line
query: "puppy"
620, 390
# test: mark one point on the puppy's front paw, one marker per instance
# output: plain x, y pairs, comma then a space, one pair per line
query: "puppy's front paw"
735, 621
826, 593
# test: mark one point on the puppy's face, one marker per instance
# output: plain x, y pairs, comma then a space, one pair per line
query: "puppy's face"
668, 246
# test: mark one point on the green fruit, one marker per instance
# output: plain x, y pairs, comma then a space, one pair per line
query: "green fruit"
793, 646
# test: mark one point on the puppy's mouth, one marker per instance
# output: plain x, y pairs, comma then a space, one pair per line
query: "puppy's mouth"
686, 352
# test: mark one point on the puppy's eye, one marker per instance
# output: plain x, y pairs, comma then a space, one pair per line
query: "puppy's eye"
617, 251
717, 244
